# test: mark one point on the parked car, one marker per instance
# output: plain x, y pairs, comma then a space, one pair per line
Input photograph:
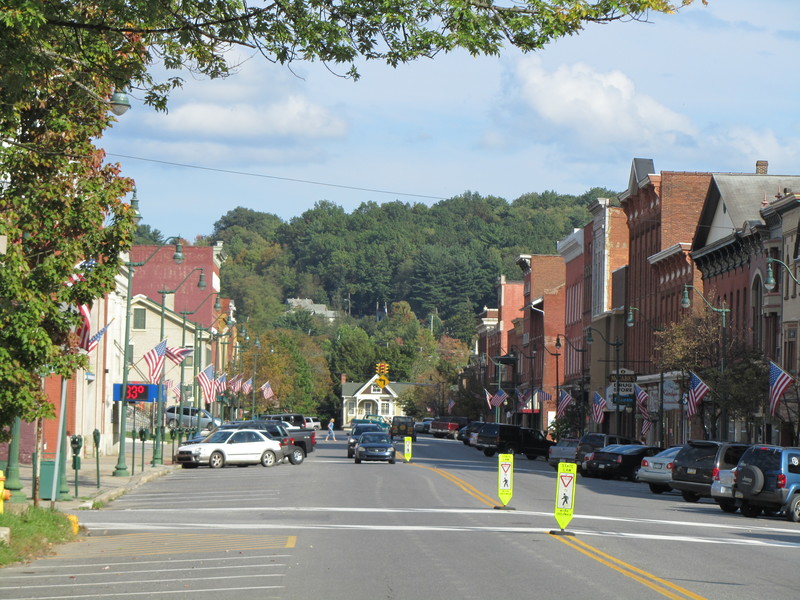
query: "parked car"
294, 419
231, 447
621, 460
656, 471
722, 489
693, 467
304, 440
313, 423
588, 468
589, 442
375, 446
502, 438
189, 416
423, 426
402, 426
565, 450
356, 433
768, 480
471, 433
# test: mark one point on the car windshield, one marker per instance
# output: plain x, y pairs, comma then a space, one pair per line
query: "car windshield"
669, 452
698, 453
374, 438
362, 428
219, 436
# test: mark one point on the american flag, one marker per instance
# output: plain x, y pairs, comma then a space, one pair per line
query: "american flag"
94, 341
641, 401
488, 398
222, 382
247, 386
84, 329
697, 391
450, 405
235, 383
178, 355
498, 398
524, 400
155, 361
779, 380
645, 426
543, 398
563, 404
598, 408
206, 380
266, 389
173, 386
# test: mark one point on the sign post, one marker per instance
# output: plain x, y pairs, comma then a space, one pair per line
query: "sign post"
565, 496
407, 449
505, 480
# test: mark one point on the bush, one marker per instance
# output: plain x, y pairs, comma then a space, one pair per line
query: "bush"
33, 534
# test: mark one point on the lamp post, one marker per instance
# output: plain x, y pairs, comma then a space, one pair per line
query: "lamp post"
770, 282
121, 469
256, 350
723, 311
582, 407
630, 321
158, 451
558, 388
530, 358
616, 344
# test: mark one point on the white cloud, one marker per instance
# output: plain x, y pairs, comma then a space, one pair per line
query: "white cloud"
599, 106
292, 116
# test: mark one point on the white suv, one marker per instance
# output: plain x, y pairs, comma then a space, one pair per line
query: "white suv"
313, 423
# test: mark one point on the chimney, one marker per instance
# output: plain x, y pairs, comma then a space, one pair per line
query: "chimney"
344, 378
761, 167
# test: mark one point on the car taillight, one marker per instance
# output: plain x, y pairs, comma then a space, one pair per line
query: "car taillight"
589, 456
619, 458
669, 466
645, 463
715, 473
781, 483
313, 436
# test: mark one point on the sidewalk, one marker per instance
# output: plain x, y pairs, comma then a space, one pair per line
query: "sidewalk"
89, 492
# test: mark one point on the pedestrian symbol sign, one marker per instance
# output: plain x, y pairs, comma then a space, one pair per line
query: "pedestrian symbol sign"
565, 493
407, 448
505, 477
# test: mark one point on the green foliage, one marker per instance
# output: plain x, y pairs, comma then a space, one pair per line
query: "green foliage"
147, 236
33, 533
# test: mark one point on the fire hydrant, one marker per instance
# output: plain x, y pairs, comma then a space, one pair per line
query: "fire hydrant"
5, 494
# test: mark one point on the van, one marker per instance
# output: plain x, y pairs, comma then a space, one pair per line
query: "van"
187, 416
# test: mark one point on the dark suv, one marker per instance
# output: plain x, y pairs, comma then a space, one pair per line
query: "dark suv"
768, 479
590, 442
403, 426
694, 466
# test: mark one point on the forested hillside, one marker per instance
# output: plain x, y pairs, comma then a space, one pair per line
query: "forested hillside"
444, 260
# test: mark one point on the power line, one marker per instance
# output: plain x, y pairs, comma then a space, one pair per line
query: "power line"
263, 176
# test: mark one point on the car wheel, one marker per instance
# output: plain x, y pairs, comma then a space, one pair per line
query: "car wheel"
488, 452
172, 423
750, 511
216, 460
391, 461
634, 474
358, 461
297, 456
690, 496
510, 450
658, 489
750, 480
349, 455
268, 459
728, 506
793, 512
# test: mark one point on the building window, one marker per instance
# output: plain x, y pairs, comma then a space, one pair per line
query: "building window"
139, 318
351, 407
375, 389
384, 408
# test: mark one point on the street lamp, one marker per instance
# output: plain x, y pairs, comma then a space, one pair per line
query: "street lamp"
121, 469
616, 344
723, 311
769, 282
256, 350
530, 358
630, 321
583, 370
158, 452
558, 387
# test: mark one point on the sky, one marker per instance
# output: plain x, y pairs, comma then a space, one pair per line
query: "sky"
711, 88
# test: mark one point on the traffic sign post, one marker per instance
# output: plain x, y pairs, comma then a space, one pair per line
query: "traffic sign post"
505, 480
565, 496
407, 449
382, 381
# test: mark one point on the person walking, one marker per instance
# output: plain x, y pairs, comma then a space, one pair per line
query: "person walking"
330, 431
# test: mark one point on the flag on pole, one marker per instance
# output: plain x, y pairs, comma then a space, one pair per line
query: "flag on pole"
641, 401
450, 405
779, 380
645, 427
266, 390
84, 329
563, 403
155, 361
498, 398
544, 398
247, 386
178, 355
697, 391
94, 341
598, 408
235, 383
206, 380
488, 398
173, 386
222, 382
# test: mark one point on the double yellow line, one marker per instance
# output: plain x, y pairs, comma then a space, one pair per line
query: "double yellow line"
661, 586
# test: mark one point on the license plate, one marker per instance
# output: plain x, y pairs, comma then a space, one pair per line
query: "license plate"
601, 466
657, 465
691, 471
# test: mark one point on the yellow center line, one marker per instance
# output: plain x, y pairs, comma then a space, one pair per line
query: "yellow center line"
472, 491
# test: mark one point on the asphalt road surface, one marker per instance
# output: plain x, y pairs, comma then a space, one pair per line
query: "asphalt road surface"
430, 528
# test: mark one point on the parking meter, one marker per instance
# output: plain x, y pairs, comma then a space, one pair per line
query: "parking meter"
96, 438
143, 434
76, 442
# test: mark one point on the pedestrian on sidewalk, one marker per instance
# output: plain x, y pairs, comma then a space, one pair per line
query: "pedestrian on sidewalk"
330, 431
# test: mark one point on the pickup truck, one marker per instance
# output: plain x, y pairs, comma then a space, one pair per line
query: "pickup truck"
512, 439
566, 450
448, 427
303, 438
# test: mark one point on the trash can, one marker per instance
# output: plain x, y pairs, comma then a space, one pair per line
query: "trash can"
46, 470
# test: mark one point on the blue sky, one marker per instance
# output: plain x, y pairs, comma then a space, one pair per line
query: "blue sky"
712, 88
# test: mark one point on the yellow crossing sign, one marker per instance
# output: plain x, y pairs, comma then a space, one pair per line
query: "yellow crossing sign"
565, 493
505, 477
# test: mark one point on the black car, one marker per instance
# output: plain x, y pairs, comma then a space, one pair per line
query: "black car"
352, 440
693, 467
473, 428
620, 461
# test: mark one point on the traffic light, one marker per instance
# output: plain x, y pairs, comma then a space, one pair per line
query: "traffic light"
382, 368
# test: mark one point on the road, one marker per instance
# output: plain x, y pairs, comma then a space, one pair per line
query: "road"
426, 529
